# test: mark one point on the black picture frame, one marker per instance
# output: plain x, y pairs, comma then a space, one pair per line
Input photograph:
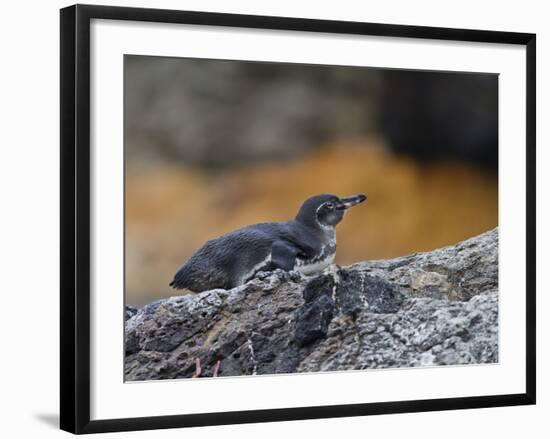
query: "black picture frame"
75, 217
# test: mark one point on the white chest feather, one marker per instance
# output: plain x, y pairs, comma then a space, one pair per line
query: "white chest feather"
309, 268
318, 264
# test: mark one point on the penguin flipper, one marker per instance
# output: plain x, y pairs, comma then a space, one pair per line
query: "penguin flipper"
283, 255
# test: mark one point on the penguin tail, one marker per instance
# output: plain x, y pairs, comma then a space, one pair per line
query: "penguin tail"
177, 285
181, 278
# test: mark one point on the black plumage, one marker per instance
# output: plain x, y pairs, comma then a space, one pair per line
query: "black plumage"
307, 243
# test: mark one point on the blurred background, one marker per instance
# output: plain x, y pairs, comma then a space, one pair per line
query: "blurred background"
212, 146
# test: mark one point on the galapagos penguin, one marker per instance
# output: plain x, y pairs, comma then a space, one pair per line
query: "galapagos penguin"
306, 244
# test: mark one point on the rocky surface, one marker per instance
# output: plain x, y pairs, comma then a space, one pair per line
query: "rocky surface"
435, 308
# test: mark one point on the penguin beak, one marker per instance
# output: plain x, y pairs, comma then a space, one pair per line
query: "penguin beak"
346, 203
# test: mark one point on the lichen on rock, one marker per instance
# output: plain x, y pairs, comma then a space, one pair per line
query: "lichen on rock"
427, 309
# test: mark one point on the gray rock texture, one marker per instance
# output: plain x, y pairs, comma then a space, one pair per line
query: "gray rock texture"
427, 309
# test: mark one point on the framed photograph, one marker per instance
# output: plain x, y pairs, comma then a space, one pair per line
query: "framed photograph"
275, 218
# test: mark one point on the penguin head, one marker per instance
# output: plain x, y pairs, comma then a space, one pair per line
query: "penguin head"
327, 210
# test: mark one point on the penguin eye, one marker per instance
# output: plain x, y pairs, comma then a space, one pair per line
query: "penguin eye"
330, 205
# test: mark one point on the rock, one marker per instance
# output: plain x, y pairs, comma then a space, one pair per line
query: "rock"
358, 291
425, 332
428, 309
458, 272
313, 318
129, 311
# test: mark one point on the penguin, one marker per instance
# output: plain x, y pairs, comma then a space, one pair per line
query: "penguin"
306, 244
